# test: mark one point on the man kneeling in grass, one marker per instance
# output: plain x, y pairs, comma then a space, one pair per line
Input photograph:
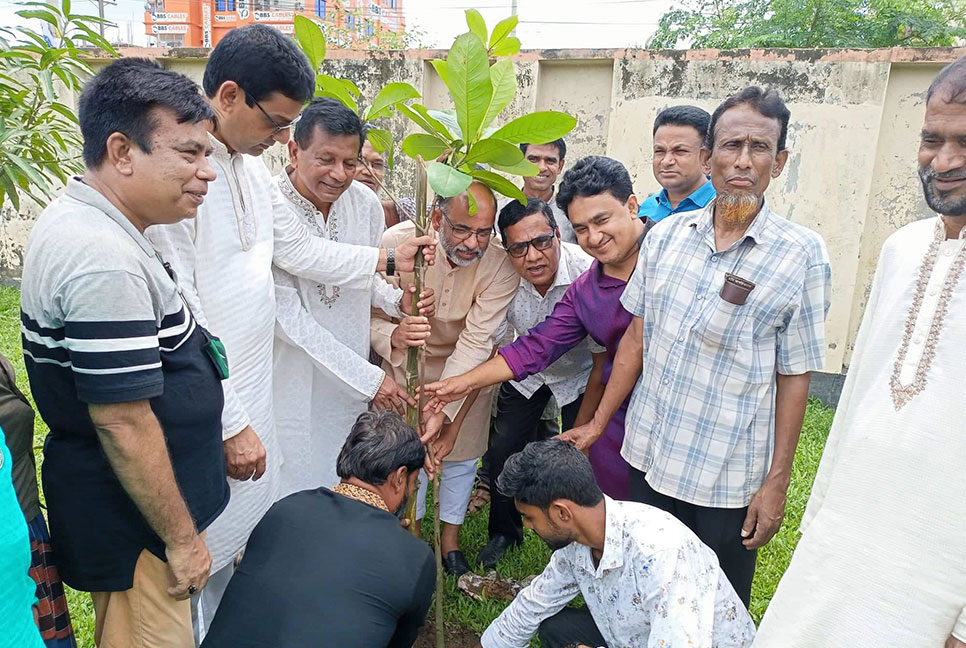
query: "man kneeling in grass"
646, 578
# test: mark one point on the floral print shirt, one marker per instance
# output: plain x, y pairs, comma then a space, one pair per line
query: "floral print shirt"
656, 586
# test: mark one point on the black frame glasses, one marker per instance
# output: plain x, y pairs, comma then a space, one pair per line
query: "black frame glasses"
462, 232
278, 127
541, 243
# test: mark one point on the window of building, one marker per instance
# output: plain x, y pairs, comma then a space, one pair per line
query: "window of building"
320, 9
220, 5
369, 28
231, 5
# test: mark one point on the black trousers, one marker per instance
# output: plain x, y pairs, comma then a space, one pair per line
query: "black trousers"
569, 627
517, 423
719, 528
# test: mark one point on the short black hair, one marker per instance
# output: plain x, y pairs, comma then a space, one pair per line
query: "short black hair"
767, 102
952, 81
332, 117
261, 60
696, 118
122, 98
559, 143
549, 470
513, 212
594, 175
379, 444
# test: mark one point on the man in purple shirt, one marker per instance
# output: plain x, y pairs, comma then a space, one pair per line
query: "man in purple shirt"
598, 198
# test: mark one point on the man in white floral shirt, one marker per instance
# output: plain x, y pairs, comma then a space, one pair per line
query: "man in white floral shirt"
646, 578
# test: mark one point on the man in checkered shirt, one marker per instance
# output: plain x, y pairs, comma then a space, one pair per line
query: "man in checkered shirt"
729, 306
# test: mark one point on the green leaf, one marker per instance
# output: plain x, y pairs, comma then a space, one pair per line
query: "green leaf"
474, 20
29, 172
494, 151
65, 7
441, 70
447, 118
503, 78
380, 139
468, 67
425, 122
447, 181
6, 179
39, 14
524, 168
311, 40
507, 47
351, 87
537, 128
336, 89
428, 147
502, 30
391, 95
498, 183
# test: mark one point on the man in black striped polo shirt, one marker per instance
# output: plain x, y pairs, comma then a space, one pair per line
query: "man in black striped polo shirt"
126, 379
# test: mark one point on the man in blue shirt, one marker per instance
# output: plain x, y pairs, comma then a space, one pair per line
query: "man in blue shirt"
678, 135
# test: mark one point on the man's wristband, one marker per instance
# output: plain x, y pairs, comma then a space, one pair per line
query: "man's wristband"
390, 261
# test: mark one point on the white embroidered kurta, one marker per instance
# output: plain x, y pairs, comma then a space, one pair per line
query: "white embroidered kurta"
882, 561
323, 378
656, 586
223, 261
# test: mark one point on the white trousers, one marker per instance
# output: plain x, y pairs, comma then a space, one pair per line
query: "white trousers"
205, 603
456, 487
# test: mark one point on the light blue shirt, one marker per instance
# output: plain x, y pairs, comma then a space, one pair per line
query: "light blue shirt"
657, 206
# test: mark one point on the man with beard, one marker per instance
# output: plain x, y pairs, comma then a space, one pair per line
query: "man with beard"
646, 579
473, 286
881, 559
335, 567
729, 306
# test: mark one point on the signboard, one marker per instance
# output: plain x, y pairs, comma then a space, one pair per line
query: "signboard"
274, 16
169, 29
206, 25
225, 18
285, 28
243, 11
374, 10
162, 17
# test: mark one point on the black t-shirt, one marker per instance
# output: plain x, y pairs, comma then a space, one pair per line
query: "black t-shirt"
102, 322
324, 570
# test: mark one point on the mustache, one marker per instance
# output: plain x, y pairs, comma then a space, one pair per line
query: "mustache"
928, 173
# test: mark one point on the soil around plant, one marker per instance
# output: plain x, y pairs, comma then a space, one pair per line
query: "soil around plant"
453, 638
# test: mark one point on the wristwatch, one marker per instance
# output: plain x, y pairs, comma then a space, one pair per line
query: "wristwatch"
390, 261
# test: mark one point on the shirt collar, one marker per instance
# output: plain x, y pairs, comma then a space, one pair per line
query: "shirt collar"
612, 557
79, 190
563, 277
703, 222
219, 151
700, 197
292, 194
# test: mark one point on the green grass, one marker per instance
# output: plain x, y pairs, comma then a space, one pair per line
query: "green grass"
533, 555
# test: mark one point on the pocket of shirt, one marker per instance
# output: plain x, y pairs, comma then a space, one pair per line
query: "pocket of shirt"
726, 325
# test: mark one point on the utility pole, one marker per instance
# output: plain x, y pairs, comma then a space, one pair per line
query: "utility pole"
513, 12
100, 12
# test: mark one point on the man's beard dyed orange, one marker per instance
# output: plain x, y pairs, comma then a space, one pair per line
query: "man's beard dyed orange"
736, 209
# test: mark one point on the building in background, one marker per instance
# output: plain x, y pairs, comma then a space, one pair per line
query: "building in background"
202, 23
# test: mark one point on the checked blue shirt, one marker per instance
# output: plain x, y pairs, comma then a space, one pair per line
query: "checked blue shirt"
701, 420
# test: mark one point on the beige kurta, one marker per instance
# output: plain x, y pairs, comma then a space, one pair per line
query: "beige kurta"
471, 303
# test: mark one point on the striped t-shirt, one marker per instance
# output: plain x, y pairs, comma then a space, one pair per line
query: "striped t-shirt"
103, 322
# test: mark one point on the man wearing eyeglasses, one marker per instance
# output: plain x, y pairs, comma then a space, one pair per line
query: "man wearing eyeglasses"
547, 267
256, 82
473, 286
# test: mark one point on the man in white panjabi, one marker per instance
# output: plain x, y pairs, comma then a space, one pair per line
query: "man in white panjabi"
323, 379
223, 263
882, 561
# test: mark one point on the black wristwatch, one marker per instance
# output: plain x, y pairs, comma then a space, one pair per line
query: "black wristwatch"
390, 261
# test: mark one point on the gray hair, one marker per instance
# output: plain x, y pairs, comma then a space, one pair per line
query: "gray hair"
378, 445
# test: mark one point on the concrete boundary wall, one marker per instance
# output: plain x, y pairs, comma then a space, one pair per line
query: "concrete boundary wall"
851, 175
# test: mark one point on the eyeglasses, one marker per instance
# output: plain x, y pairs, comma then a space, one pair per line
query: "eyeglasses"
520, 249
462, 232
278, 127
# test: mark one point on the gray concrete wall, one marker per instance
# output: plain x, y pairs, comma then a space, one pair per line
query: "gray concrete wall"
851, 174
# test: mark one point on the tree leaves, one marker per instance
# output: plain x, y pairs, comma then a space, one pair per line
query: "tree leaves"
503, 79
468, 69
493, 151
337, 89
381, 141
502, 32
447, 181
476, 24
391, 95
428, 147
536, 128
309, 35
500, 184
